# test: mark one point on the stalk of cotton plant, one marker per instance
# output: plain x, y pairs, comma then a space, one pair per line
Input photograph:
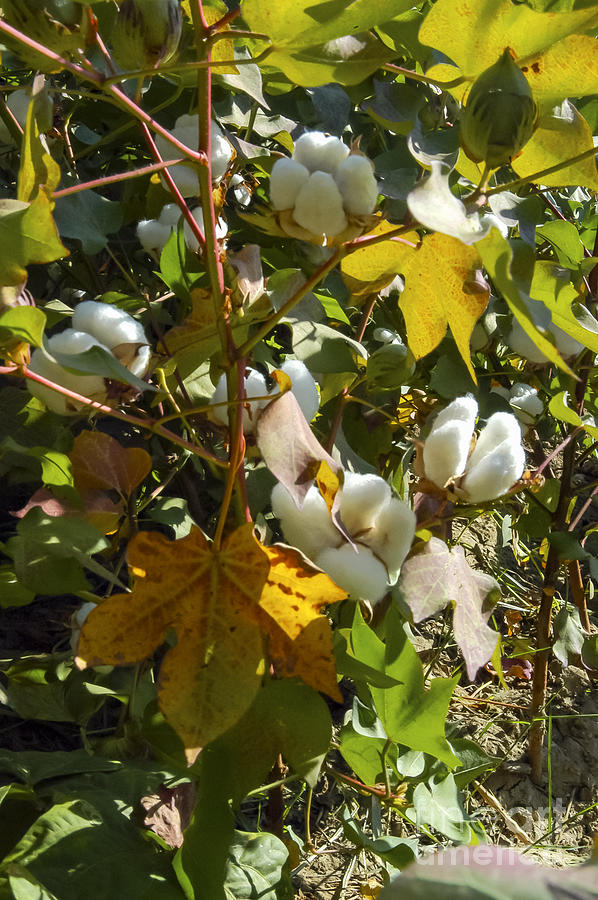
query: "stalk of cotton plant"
186, 130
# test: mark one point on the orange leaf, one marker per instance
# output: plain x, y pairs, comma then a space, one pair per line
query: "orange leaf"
101, 463
210, 677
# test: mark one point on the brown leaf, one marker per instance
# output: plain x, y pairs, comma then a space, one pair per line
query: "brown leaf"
97, 508
101, 463
250, 278
169, 812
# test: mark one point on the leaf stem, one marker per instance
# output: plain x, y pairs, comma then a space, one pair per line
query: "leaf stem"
537, 176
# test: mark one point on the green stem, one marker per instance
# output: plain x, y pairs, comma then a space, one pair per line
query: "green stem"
538, 176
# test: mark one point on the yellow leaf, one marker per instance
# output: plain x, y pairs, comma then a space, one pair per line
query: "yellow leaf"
557, 138
440, 293
210, 677
101, 463
37, 169
370, 269
567, 69
474, 35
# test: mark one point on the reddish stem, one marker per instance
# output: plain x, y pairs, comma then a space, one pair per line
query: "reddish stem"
87, 74
112, 179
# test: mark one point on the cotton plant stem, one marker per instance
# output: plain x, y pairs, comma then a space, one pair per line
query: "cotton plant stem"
113, 179
538, 176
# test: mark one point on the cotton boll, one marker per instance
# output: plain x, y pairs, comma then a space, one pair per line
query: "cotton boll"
241, 192
78, 619
360, 574
526, 403
255, 386
319, 152
463, 409
123, 335
286, 179
303, 387
170, 215
152, 234
565, 344
392, 535
191, 240
319, 206
92, 386
446, 450
357, 184
310, 528
499, 428
221, 152
495, 473
362, 498
521, 344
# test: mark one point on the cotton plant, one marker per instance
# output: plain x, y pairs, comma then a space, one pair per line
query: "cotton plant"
186, 130
380, 525
325, 192
477, 472
258, 394
523, 345
94, 324
433, 204
153, 234
524, 400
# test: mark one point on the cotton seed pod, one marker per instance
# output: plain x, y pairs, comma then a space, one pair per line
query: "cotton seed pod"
357, 184
146, 32
357, 572
310, 528
500, 114
92, 386
494, 473
319, 206
286, 179
320, 152
123, 335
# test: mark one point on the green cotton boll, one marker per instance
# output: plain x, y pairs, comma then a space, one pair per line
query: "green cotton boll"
390, 367
146, 32
500, 115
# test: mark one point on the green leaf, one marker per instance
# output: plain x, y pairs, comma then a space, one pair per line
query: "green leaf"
33, 767
56, 468
362, 754
399, 852
559, 408
412, 715
348, 60
255, 867
89, 218
12, 593
569, 636
589, 651
563, 300
97, 361
439, 805
28, 235
25, 323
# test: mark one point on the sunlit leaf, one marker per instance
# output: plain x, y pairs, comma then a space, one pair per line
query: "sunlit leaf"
28, 235
369, 269
38, 169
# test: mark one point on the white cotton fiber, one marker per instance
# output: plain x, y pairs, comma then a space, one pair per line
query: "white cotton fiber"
361, 499
495, 473
255, 386
191, 240
92, 386
446, 450
152, 234
360, 574
521, 344
463, 409
319, 206
392, 535
170, 215
357, 184
109, 325
286, 179
310, 528
303, 387
566, 345
500, 427
221, 152
320, 152
526, 403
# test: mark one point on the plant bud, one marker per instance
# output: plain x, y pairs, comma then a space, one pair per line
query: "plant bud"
146, 32
500, 114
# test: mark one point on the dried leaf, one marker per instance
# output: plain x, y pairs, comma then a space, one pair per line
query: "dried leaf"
250, 277
168, 812
101, 463
438, 576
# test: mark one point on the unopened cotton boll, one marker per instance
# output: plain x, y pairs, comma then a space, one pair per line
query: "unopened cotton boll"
320, 152
319, 206
361, 499
446, 448
357, 184
123, 335
303, 387
286, 180
92, 386
359, 573
310, 528
392, 535
493, 474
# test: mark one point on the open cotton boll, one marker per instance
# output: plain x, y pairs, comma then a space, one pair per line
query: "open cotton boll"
310, 528
303, 387
360, 574
565, 344
191, 240
123, 335
221, 152
92, 386
320, 152
170, 215
186, 130
392, 535
495, 473
446, 450
286, 179
152, 234
255, 386
521, 344
526, 403
361, 500
319, 206
463, 409
357, 184
500, 427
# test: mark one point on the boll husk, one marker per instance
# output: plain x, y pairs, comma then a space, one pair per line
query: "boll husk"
325, 193
186, 130
495, 464
146, 32
381, 526
500, 115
